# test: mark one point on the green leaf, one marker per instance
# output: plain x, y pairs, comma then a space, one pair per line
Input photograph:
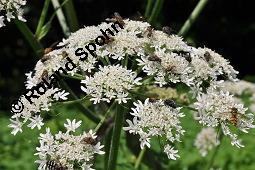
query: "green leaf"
44, 30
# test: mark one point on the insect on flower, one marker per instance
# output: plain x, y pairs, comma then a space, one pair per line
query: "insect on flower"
184, 54
170, 68
152, 100
167, 30
207, 56
149, 31
234, 116
116, 17
54, 165
64, 54
47, 51
171, 103
89, 140
154, 58
45, 75
107, 41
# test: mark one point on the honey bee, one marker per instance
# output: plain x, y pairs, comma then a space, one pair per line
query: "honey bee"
234, 116
54, 165
149, 31
116, 17
89, 140
171, 103
207, 56
154, 58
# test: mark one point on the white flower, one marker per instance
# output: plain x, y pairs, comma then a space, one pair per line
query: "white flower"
155, 118
219, 108
16, 125
61, 95
206, 140
36, 121
71, 126
239, 87
68, 149
11, 9
110, 82
171, 153
176, 61
31, 111
2, 21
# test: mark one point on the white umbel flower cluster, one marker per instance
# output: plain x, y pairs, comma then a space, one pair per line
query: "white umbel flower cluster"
206, 140
219, 108
239, 87
187, 65
11, 9
153, 119
110, 82
66, 150
111, 74
30, 111
167, 57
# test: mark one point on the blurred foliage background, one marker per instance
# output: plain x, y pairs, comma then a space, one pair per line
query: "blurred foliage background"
227, 26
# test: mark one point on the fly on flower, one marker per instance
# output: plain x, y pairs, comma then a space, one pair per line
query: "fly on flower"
53, 165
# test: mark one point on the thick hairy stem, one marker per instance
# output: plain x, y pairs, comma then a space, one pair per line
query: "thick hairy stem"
192, 18
114, 147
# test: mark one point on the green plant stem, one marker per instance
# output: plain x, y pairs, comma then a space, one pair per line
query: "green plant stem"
118, 123
190, 108
156, 10
61, 17
69, 102
27, 33
148, 8
75, 76
42, 17
105, 116
192, 18
139, 159
71, 16
215, 152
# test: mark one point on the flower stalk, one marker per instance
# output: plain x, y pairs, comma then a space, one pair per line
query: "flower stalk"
114, 147
139, 159
192, 18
